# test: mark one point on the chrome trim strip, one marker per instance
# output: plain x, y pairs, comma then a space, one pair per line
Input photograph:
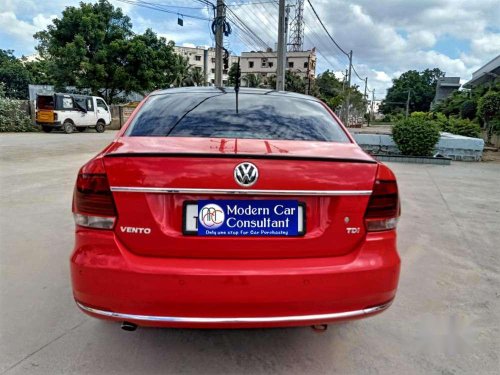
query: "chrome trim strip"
266, 319
126, 189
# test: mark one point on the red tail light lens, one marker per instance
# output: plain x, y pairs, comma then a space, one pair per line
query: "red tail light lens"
93, 202
383, 208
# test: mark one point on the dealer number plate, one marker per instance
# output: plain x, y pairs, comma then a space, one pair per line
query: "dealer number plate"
244, 218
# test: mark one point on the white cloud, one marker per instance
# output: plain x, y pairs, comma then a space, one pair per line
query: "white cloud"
421, 39
382, 76
486, 44
19, 30
41, 21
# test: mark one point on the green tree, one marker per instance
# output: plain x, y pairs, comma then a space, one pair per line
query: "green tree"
151, 62
328, 85
468, 109
253, 80
488, 109
194, 78
422, 87
93, 47
41, 71
180, 71
14, 75
329, 89
294, 83
232, 74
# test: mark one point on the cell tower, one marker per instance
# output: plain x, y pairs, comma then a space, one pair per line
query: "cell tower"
297, 28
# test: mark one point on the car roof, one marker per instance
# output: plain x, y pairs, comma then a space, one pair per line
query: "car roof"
230, 90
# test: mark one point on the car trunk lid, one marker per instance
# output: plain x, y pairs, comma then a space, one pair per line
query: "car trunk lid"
152, 178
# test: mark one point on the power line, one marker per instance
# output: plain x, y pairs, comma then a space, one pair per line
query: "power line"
160, 8
252, 3
326, 30
242, 25
355, 72
261, 22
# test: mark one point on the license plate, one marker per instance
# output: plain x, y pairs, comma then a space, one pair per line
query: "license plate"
263, 218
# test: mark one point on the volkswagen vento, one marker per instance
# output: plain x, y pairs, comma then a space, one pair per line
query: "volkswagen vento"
206, 214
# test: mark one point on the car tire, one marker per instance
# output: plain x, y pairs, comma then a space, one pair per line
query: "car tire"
81, 129
68, 127
47, 129
100, 127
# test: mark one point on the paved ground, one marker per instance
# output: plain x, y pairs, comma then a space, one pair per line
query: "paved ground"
445, 319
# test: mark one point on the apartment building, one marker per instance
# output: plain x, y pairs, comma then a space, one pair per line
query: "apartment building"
203, 58
264, 64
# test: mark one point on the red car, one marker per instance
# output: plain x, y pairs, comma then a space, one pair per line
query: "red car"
203, 215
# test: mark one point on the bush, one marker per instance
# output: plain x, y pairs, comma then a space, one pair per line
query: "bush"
442, 121
416, 136
489, 106
12, 117
488, 109
468, 110
464, 127
420, 115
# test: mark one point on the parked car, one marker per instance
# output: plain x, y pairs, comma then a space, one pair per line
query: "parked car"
69, 112
201, 216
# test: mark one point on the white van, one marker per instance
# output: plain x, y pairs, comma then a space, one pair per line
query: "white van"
69, 112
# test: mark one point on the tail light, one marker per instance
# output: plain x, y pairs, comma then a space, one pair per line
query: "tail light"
93, 204
383, 208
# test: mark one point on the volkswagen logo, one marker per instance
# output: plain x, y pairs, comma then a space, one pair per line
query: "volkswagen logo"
246, 174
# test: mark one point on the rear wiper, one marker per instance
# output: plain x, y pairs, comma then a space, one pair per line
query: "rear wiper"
188, 111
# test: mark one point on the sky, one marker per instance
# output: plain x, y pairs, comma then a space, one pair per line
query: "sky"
387, 37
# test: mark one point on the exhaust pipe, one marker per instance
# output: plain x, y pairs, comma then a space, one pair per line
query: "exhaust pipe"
320, 328
127, 326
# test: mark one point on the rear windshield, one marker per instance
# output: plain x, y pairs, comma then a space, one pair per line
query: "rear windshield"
45, 102
214, 115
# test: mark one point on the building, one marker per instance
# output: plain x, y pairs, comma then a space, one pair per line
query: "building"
444, 88
488, 73
203, 58
264, 64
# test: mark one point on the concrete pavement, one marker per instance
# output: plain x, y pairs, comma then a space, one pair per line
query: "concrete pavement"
445, 319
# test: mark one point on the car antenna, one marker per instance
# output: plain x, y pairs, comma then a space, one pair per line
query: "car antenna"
238, 83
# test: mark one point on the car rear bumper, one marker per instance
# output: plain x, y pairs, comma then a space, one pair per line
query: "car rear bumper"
110, 282
53, 123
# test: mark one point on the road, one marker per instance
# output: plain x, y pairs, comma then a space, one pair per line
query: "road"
445, 319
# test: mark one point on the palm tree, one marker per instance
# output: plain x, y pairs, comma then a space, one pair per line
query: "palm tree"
196, 77
253, 80
180, 71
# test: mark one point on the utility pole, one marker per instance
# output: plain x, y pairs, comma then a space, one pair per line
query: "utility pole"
365, 98
373, 101
219, 41
205, 67
287, 18
366, 85
348, 100
308, 87
280, 76
408, 104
